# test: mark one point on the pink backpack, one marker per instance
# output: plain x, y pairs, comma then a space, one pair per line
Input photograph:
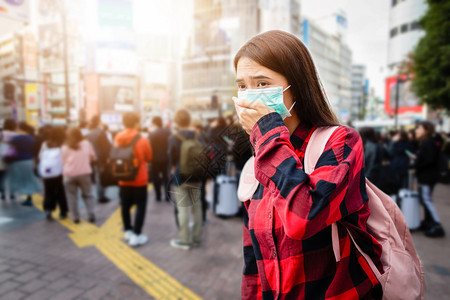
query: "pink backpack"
403, 276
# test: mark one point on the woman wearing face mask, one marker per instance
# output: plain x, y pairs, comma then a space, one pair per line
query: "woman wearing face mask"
287, 234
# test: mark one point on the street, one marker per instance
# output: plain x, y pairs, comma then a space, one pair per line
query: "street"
61, 260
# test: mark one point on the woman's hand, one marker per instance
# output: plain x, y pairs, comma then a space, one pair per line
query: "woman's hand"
250, 112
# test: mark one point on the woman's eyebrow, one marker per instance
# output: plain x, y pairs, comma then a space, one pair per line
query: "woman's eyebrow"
259, 77
254, 78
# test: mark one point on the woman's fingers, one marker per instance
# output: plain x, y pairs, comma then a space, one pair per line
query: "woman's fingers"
250, 112
244, 103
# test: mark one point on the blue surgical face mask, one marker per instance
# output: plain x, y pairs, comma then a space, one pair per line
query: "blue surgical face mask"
272, 97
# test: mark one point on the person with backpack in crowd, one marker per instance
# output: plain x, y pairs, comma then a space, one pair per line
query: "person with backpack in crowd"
159, 141
77, 156
50, 169
43, 135
8, 132
216, 136
108, 133
100, 143
287, 234
446, 144
373, 155
3, 148
202, 138
398, 149
445, 159
21, 171
427, 171
133, 186
413, 144
183, 148
242, 149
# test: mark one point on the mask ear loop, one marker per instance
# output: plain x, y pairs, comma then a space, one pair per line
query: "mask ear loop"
292, 106
294, 101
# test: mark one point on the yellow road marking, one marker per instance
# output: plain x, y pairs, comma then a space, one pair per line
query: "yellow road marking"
107, 239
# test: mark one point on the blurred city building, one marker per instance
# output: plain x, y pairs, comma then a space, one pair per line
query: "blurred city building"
12, 18
109, 72
60, 59
359, 92
158, 74
14, 15
404, 34
89, 48
220, 28
405, 31
374, 107
11, 69
162, 28
16, 56
111, 67
11, 64
107, 57
333, 60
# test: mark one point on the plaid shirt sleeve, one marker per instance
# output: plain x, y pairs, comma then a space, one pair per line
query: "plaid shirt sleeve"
251, 284
307, 203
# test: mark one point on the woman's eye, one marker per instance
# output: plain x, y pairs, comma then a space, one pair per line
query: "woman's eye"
241, 87
262, 84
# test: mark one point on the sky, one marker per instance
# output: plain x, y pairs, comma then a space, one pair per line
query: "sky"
367, 32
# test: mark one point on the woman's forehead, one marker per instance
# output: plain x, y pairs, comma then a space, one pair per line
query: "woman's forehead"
248, 69
248, 64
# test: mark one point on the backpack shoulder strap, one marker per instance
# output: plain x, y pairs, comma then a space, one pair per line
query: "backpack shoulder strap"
314, 150
316, 145
135, 140
179, 136
182, 138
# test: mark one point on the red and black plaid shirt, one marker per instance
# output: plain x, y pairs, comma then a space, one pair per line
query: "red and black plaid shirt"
287, 234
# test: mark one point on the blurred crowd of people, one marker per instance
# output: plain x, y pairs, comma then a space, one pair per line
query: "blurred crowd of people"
65, 162
414, 159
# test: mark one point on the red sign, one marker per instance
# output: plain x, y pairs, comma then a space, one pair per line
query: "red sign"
407, 101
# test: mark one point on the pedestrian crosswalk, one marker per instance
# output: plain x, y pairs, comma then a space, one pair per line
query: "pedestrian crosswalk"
108, 240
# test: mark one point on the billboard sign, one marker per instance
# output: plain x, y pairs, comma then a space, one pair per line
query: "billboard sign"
18, 10
31, 96
115, 13
407, 101
118, 93
115, 58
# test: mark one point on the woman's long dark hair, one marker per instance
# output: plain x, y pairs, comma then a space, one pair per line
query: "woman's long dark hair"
285, 54
74, 137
